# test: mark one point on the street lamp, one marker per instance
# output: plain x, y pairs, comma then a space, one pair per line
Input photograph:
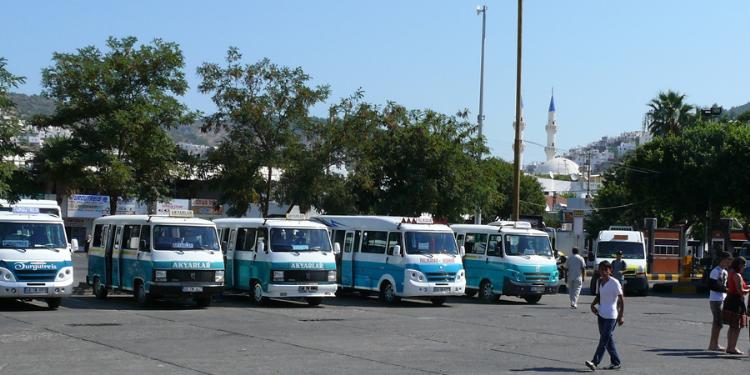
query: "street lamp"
480, 117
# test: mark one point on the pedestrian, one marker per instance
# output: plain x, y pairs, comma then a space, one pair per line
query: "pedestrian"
618, 268
609, 308
575, 276
717, 283
735, 310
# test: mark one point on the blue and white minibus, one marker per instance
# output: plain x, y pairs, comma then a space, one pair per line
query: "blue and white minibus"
35, 257
288, 258
156, 256
397, 257
507, 258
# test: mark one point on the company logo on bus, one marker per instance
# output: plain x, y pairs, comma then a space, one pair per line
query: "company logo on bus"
191, 265
305, 265
35, 266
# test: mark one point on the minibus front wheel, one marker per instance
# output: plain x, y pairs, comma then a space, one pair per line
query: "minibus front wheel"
470, 292
53, 303
438, 301
140, 295
388, 293
486, 294
532, 299
256, 292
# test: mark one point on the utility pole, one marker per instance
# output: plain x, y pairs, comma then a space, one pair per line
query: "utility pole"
588, 175
517, 142
480, 117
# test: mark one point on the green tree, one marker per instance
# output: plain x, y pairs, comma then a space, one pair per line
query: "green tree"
499, 175
668, 114
10, 128
261, 107
118, 105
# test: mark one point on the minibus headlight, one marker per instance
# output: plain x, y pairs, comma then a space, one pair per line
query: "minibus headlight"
278, 275
331, 275
416, 276
6, 275
460, 275
160, 275
219, 276
514, 275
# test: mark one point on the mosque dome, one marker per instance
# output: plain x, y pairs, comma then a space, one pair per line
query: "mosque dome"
558, 166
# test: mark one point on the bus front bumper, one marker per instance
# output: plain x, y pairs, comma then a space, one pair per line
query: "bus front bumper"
301, 290
185, 289
36, 289
426, 289
513, 288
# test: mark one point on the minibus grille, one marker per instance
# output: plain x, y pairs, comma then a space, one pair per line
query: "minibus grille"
303, 275
440, 276
536, 276
38, 275
191, 275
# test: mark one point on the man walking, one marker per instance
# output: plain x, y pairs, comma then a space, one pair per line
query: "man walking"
618, 268
718, 286
576, 274
609, 314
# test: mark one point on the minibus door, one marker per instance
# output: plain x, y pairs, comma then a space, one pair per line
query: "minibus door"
495, 260
117, 258
108, 254
230, 268
347, 260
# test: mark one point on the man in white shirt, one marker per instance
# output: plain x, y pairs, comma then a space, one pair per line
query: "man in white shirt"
718, 286
576, 271
609, 313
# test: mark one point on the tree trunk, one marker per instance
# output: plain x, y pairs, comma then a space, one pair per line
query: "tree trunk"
267, 198
112, 205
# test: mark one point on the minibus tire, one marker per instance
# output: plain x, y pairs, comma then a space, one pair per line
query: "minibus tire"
53, 303
388, 294
202, 301
438, 301
532, 299
139, 294
99, 290
485, 292
471, 292
256, 293
314, 301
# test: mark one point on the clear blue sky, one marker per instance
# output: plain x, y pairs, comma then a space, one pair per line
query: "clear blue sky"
605, 59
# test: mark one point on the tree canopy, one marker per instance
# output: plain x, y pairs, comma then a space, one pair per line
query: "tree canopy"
10, 128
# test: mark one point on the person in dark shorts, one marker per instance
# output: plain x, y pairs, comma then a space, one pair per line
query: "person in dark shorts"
717, 284
735, 310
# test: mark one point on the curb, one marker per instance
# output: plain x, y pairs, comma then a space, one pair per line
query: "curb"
679, 288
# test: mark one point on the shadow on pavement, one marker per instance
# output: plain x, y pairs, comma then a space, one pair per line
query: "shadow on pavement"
19, 305
550, 369
694, 353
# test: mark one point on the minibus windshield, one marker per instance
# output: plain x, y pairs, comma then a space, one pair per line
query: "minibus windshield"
630, 250
299, 239
32, 235
527, 245
185, 238
430, 243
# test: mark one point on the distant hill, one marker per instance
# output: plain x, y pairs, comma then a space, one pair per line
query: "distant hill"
30, 105
736, 111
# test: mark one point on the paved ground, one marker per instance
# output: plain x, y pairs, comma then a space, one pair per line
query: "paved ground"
663, 334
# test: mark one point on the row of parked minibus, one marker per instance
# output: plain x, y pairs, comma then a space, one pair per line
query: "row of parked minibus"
293, 257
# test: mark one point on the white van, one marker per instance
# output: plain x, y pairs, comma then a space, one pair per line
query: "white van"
633, 247
35, 257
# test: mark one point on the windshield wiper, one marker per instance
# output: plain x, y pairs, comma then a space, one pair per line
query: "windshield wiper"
48, 246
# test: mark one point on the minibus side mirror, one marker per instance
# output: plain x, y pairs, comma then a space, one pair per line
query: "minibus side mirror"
74, 245
143, 246
261, 247
397, 250
462, 250
336, 248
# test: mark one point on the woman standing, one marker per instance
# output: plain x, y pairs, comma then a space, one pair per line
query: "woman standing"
735, 310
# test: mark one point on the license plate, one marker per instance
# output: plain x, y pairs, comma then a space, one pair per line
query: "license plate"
192, 288
307, 289
439, 289
537, 289
35, 290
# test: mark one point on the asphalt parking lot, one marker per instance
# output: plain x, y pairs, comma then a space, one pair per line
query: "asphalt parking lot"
663, 334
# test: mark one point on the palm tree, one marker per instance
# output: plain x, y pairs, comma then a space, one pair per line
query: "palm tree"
669, 114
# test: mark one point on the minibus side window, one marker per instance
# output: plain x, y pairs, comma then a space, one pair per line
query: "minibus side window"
494, 249
130, 237
225, 237
262, 237
374, 242
239, 243
145, 237
245, 239
475, 243
348, 242
394, 238
98, 234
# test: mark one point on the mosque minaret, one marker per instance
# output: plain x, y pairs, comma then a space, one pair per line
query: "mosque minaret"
551, 129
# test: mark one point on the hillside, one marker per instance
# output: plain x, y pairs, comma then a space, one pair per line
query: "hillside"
30, 105
736, 111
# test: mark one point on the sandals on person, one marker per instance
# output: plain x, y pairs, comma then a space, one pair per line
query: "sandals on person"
737, 352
